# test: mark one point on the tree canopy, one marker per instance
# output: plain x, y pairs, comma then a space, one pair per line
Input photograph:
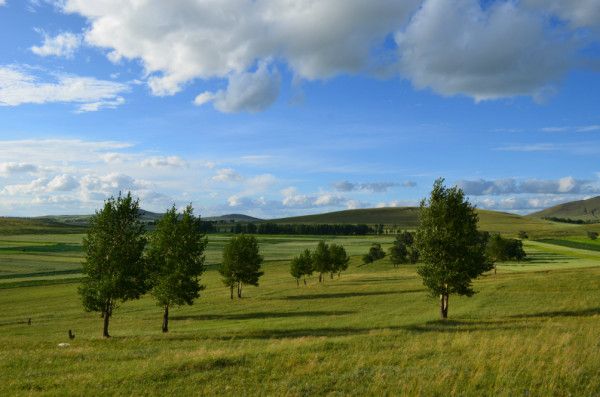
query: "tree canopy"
114, 267
176, 260
241, 263
450, 246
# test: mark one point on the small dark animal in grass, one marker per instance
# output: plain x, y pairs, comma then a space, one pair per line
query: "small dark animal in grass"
29, 321
71, 335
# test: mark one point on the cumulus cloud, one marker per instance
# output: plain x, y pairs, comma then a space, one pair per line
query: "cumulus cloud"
12, 167
502, 49
372, 187
162, 161
18, 86
456, 47
580, 13
61, 45
248, 92
566, 185
227, 175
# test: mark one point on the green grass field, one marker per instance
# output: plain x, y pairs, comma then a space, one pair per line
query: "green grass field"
531, 330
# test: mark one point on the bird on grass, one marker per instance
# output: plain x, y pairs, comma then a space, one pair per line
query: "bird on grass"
71, 335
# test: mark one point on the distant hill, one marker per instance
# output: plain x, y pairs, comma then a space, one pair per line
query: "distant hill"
232, 218
83, 220
10, 225
407, 217
585, 210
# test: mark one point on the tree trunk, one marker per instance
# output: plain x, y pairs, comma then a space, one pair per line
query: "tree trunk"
320, 277
165, 324
331, 275
304, 280
494, 269
239, 290
231, 291
106, 315
444, 306
297, 282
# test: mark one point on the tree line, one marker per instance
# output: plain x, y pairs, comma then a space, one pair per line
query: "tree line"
123, 262
325, 259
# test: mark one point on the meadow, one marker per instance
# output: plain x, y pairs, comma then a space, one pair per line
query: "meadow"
532, 329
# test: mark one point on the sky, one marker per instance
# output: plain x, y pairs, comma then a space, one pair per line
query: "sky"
275, 108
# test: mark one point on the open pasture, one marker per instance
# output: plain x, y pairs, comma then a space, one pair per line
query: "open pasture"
531, 330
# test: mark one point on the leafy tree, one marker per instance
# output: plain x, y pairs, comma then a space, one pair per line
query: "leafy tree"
241, 263
301, 266
176, 258
321, 259
499, 249
403, 249
367, 259
114, 266
592, 235
452, 249
339, 259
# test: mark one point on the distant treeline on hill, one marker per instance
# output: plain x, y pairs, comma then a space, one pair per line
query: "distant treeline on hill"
299, 229
569, 220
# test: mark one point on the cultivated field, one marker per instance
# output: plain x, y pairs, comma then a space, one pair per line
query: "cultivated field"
531, 330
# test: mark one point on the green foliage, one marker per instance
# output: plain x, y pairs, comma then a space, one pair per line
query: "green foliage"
301, 266
321, 259
451, 248
241, 263
114, 267
176, 259
404, 250
339, 259
499, 249
375, 253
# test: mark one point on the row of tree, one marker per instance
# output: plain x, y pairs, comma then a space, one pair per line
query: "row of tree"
123, 262
326, 258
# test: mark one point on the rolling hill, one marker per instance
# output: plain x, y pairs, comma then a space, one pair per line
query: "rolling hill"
10, 226
232, 218
585, 210
407, 217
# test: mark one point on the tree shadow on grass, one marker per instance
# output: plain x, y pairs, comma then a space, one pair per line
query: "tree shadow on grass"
188, 368
560, 313
349, 294
261, 315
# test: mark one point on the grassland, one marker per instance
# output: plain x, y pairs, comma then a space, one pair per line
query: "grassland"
531, 330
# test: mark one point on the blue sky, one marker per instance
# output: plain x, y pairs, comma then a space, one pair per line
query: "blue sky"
276, 108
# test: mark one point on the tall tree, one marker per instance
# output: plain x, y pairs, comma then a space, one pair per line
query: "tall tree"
301, 266
241, 263
451, 247
176, 258
321, 259
339, 259
114, 267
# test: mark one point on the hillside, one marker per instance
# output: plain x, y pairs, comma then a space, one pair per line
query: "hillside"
10, 225
586, 210
407, 217
232, 218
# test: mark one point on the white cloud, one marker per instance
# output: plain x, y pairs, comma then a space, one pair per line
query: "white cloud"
12, 167
161, 162
2, 3
578, 13
456, 47
373, 187
183, 41
18, 86
248, 92
566, 185
502, 49
227, 175
585, 128
61, 45
62, 183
